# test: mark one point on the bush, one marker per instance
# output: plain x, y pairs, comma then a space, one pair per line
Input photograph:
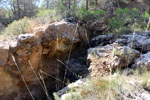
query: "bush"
21, 26
128, 20
100, 89
46, 15
44, 12
90, 14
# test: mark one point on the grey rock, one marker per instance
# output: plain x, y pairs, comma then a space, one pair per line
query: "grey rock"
102, 40
78, 83
143, 61
102, 58
26, 38
136, 41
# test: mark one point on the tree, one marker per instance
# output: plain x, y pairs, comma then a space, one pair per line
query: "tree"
47, 4
96, 2
69, 4
87, 4
23, 8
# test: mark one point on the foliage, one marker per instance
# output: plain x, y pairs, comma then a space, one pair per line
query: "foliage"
71, 12
90, 14
44, 12
21, 26
46, 15
127, 20
99, 89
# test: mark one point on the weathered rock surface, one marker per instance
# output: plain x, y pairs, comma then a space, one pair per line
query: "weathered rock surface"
102, 40
4, 54
142, 62
104, 58
138, 40
63, 92
37, 54
98, 26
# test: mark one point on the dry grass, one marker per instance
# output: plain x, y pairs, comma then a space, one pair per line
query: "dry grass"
115, 87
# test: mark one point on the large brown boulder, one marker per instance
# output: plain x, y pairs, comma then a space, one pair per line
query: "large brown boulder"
35, 56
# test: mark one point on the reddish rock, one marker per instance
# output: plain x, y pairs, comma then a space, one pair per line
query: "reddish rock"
36, 55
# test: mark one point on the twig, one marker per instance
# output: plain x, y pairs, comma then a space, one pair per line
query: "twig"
46, 91
39, 80
22, 77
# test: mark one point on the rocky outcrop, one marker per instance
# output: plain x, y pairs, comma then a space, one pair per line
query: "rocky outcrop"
142, 62
35, 56
103, 59
102, 40
98, 26
138, 40
107, 57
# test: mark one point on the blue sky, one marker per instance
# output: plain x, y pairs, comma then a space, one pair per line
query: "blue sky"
39, 3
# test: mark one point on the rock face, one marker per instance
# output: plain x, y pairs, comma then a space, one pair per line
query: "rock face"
98, 26
34, 56
102, 40
142, 62
138, 40
103, 59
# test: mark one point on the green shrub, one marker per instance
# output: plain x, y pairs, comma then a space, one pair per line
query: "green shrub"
72, 12
128, 20
90, 14
46, 15
44, 12
100, 89
21, 26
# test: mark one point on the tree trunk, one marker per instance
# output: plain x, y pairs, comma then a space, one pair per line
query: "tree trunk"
30, 9
24, 11
74, 2
18, 7
69, 4
96, 3
13, 8
47, 5
87, 4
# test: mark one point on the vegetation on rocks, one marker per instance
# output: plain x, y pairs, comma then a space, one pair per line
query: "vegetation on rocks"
75, 49
118, 86
128, 20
